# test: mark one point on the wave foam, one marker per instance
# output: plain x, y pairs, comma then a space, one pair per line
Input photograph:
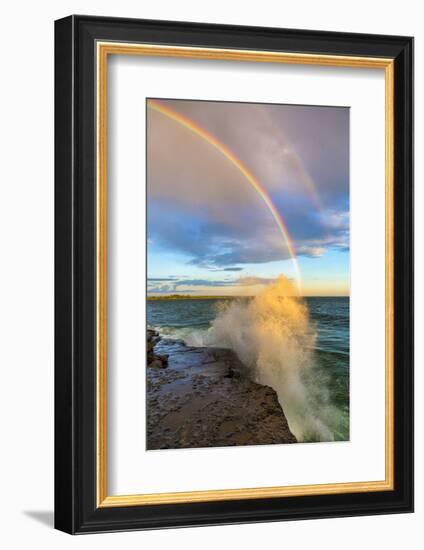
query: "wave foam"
273, 337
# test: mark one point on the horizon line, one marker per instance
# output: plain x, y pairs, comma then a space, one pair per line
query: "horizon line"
191, 296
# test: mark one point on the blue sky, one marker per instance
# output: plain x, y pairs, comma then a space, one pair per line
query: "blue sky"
209, 231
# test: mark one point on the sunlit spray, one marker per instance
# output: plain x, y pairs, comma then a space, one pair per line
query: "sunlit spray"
273, 336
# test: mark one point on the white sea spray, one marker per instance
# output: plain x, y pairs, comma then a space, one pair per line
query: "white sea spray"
272, 335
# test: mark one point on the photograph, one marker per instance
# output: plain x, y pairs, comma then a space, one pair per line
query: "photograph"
248, 273
234, 274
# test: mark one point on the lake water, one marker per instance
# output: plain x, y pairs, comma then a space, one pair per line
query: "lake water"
327, 379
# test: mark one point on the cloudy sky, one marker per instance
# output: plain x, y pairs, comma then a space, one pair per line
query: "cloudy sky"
210, 231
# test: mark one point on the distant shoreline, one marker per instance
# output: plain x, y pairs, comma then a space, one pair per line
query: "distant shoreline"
188, 297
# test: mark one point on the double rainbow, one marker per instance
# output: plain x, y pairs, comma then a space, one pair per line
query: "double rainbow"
159, 107
305, 179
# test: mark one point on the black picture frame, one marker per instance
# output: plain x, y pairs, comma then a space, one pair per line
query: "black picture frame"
76, 508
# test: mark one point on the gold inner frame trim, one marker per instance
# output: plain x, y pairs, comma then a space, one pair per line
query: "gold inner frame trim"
103, 50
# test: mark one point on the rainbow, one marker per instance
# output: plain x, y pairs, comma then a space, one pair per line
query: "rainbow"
159, 107
306, 179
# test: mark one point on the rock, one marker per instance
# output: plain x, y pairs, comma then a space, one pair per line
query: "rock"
205, 399
156, 364
151, 334
154, 360
162, 358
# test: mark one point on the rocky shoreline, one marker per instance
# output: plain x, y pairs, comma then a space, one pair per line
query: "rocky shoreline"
201, 397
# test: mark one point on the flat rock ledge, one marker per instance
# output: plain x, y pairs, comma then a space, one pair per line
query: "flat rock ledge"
201, 397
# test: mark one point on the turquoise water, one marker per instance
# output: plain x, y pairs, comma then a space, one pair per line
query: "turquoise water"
327, 380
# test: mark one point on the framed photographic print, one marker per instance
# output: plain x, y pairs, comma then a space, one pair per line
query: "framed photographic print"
234, 274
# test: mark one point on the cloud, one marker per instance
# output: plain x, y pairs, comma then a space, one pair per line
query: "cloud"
252, 281
160, 279
202, 207
287, 147
231, 268
212, 245
187, 285
158, 286
236, 252
311, 251
336, 219
204, 282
